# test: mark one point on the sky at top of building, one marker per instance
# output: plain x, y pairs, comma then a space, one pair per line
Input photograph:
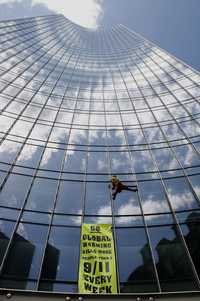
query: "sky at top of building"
172, 25
86, 13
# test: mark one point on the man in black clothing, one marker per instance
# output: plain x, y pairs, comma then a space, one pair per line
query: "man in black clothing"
118, 186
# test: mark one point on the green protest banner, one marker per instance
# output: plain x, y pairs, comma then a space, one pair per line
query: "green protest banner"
97, 271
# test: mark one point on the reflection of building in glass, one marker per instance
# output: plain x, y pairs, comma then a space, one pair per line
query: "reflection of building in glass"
76, 107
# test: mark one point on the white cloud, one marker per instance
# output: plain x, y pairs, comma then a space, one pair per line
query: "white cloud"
86, 13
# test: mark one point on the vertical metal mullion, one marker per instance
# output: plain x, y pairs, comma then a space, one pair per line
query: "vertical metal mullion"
111, 200
150, 44
110, 174
166, 194
58, 181
183, 74
43, 27
85, 182
45, 53
18, 118
29, 24
22, 21
26, 48
31, 184
41, 84
172, 147
178, 101
140, 199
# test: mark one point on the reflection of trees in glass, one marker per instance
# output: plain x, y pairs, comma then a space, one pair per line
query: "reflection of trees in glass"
192, 237
172, 262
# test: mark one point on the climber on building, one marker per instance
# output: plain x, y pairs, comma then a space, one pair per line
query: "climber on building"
117, 186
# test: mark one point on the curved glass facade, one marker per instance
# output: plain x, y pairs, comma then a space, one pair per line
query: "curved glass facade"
77, 106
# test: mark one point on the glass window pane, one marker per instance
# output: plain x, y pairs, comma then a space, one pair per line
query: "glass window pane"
29, 156
26, 252
142, 161
42, 195
8, 151
173, 266
97, 200
120, 162
14, 191
6, 229
153, 197
97, 162
75, 161
70, 197
62, 254
165, 159
52, 159
135, 262
191, 231
180, 195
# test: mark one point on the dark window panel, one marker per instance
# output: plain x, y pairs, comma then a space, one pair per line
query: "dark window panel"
191, 232
62, 255
18, 284
35, 217
136, 269
195, 180
25, 254
172, 262
129, 221
98, 219
159, 219
65, 220
9, 213
58, 287
6, 229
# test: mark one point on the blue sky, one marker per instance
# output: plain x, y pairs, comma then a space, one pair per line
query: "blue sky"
174, 25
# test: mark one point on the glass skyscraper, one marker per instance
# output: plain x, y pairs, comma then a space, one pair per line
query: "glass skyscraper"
76, 107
